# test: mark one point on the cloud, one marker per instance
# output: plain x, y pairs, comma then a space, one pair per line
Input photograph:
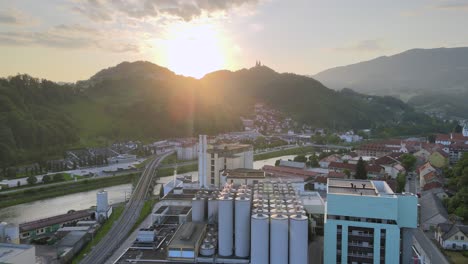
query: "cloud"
453, 5
13, 17
187, 10
71, 37
369, 45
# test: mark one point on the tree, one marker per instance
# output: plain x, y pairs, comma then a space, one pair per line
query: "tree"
300, 158
58, 177
46, 179
277, 162
18, 184
31, 180
313, 162
408, 161
401, 182
347, 172
361, 172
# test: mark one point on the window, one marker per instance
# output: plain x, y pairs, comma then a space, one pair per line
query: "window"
454, 245
462, 238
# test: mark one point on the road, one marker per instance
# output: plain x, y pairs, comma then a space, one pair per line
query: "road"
121, 228
431, 251
84, 171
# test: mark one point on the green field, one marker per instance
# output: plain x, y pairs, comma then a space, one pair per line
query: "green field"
45, 192
457, 257
116, 212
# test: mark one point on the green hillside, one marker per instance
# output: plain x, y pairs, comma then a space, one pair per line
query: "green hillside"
142, 101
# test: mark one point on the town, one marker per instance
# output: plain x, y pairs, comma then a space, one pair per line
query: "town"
225, 212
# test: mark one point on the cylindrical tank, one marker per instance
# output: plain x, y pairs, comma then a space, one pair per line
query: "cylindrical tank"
212, 210
11, 233
279, 239
207, 249
242, 226
102, 202
225, 225
298, 239
259, 239
198, 209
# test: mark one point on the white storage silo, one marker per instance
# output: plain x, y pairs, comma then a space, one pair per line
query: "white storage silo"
2, 231
198, 209
212, 210
11, 233
298, 239
102, 202
259, 239
225, 225
279, 239
242, 226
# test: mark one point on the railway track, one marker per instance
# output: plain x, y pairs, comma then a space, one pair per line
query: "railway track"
122, 227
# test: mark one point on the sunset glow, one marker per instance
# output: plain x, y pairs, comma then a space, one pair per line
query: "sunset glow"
194, 49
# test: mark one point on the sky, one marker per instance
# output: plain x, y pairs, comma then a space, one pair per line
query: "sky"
70, 40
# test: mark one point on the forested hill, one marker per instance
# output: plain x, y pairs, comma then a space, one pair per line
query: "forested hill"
435, 80
143, 101
31, 122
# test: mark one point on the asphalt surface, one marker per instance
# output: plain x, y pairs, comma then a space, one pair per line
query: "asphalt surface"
429, 247
122, 227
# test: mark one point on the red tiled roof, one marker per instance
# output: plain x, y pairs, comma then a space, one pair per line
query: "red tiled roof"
432, 185
442, 137
352, 167
430, 176
341, 165
321, 179
287, 171
443, 153
335, 174
424, 166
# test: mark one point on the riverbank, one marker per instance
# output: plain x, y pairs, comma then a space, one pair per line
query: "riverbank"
45, 192
284, 152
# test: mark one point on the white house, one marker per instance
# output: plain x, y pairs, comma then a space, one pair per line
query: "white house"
452, 236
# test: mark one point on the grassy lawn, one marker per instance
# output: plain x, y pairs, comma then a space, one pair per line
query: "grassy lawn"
145, 211
70, 187
116, 212
182, 169
279, 153
456, 257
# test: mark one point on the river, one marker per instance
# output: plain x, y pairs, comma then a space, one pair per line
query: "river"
78, 201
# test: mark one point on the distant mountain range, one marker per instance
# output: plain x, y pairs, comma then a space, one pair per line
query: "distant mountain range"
141, 100
435, 80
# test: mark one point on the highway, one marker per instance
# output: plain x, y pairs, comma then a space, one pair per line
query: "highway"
122, 227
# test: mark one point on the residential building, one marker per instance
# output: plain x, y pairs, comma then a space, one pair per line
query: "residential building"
366, 222
325, 162
452, 236
439, 159
456, 151
424, 170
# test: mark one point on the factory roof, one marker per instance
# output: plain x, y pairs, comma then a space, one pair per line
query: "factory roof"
352, 187
9, 251
71, 238
58, 219
242, 173
188, 235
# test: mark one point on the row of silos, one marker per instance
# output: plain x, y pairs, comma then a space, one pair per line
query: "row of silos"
205, 207
278, 217
234, 207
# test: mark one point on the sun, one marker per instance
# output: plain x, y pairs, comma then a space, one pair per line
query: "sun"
194, 49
